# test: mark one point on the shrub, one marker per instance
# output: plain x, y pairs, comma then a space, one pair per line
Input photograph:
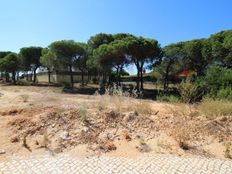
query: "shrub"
190, 92
217, 82
211, 107
225, 93
83, 113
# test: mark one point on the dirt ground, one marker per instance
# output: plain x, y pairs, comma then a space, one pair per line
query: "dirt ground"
37, 120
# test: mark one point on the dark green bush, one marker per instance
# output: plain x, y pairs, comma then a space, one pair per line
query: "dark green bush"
168, 98
225, 93
217, 83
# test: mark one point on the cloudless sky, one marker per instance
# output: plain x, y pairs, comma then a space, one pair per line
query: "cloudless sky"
40, 22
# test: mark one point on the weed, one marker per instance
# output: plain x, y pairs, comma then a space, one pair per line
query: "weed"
83, 113
167, 98
227, 152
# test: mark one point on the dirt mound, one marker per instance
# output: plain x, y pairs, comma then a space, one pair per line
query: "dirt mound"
62, 129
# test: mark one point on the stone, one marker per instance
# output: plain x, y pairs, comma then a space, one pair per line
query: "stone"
53, 125
65, 135
2, 151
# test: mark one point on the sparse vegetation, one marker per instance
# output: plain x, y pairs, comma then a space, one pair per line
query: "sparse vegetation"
189, 92
115, 98
83, 113
215, 107
227, 152
168, 98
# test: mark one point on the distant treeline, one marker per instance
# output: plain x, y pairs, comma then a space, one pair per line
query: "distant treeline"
107, 54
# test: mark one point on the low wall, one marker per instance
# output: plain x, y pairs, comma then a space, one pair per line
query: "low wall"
59, 78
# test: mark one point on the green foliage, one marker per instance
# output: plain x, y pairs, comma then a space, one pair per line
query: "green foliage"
83, 113
4, 53
225, 93
48, 58
217, 82
170, 62
100, 39
141, 51
168, 98
10, 63
197, 55
222, 47
30, 55
67, 51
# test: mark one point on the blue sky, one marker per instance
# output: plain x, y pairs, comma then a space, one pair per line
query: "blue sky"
40, 22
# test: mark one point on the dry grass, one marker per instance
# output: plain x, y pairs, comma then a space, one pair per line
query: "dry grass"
83, 112
210, 107
122, 104
182, 110
227, 152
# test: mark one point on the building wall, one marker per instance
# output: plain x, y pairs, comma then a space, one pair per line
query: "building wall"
59, 78
43, 77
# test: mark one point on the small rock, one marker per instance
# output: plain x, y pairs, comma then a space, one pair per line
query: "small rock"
85, 129
65, 135
2, 151
53, 125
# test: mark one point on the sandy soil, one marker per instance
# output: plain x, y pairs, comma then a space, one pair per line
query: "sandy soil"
37, 120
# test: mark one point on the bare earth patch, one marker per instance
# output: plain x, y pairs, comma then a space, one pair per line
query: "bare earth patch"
45, 119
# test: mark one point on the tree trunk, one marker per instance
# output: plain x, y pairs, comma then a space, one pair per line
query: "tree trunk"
13, 77
17, 75
71, 76
27, 78
166, 78
117, 81
82, 77
138, 76
141, 75
34, 73
49, 75
7, 76
141, 78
